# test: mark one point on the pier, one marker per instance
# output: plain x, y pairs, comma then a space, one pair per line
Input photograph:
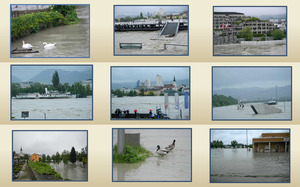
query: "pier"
122, 27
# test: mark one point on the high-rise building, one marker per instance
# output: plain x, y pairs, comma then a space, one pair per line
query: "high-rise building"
147, 83
159, 80
138, 84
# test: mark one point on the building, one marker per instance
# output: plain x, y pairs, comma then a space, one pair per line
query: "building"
235, 22
147, 83
88, 82
272, 142
159, 81
26, 84
174, 84
34, 157
137, 84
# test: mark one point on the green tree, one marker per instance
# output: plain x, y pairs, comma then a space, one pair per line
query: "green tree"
43, 158
234, 143
142, 92
278, 34
141, 15
150, 93
73, 155
26, 156
55, 79
57, 157
247, 34
48, 158
65, 156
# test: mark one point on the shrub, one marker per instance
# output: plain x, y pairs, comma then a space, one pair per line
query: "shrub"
247, 34
278, 34
132, 154
44, 169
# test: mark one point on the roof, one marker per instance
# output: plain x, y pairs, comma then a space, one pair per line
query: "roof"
237, 13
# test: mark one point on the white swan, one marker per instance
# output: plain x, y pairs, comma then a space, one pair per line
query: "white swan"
26, 46
46, 45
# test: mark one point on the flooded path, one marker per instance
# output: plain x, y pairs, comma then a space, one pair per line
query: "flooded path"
76, 171
240, 165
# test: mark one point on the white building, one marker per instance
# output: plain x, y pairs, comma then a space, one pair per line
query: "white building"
88, 82
147, 83
159, 80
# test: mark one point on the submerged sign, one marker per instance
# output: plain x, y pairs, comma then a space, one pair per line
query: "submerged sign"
186, 100
176, 101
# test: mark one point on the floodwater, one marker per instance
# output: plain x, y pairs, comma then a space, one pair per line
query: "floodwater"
71, 40
76, 171
231, 112
239, 49
143, 103
240, 165
150, 46
73, 108
176, 166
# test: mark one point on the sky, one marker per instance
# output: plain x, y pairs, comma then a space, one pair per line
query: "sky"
247, 77
120, 11
240, 135
48, 142
253, 11
27, 72
133, 74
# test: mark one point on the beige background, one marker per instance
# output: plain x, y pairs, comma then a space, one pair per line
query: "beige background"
200, 59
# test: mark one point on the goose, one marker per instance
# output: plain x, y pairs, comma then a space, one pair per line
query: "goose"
171, 146
161, 152
46, 45
26, 46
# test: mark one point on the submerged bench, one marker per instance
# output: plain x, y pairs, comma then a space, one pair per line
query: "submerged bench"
130, 45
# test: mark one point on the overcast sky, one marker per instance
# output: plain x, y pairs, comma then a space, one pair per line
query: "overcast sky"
239, 135
247, 77
135, 10
253, 11
48, 142
27, 72
133, 74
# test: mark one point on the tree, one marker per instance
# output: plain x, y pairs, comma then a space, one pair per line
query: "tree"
141, 15
247, 34
55, 79
43, 158
150, 93
48, 158
73, 155
278, 34
234, 143
57, 157
65, 155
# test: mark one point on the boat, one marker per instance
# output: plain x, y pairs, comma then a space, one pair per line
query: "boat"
48, 95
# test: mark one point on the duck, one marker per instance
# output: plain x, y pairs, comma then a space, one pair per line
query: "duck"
46, 45
161, 152
26, 46
171, 146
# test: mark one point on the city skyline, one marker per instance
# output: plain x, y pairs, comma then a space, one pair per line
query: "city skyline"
253, 11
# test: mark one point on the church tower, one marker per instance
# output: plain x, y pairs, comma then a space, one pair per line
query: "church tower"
174, 84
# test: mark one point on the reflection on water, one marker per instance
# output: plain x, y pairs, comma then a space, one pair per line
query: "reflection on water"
176, 166
76, 171
71, 40
75, 108
143, 104
231, 112
240, 165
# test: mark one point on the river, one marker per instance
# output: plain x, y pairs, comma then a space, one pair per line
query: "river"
240, 165
71, 40
74, 108
231, 112
144, 103
76, 171
176, 166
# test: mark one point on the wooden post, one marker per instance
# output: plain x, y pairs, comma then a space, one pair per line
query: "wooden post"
121, 140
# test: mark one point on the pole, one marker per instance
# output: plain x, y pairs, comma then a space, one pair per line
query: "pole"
44, 115
121, 140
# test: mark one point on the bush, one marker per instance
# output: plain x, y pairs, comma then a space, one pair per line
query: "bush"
44, 169
247, 34
278, 34
132, 154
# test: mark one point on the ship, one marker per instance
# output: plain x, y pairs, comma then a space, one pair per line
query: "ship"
48, 95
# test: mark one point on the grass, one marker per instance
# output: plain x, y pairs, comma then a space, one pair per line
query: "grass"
132, 154
44, 169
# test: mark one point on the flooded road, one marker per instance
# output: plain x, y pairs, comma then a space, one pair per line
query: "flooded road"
74, 108
71, 40
176, 166
144, 103
240, 165
150, 46
231, 112
76, 171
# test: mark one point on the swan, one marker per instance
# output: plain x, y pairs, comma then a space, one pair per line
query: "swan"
161, 152
46, 45
26, 46
171, 146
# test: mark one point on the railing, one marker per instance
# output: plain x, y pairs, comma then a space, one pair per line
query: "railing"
165, 45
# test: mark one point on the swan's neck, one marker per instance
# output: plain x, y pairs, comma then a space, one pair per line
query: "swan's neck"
23, 42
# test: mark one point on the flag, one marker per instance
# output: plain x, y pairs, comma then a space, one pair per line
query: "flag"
223, 26
176, 101
166, 100
186, 100
226, 25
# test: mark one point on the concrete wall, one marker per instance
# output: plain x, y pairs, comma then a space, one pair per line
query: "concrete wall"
272, 42
275, 147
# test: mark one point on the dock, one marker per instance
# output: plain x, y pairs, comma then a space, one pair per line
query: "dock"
146, 26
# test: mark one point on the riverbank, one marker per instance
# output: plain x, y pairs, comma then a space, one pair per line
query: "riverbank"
32, 23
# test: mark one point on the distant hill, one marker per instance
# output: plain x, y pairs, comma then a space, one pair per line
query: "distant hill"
45, 77
15, 79
255, 93
133, 84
